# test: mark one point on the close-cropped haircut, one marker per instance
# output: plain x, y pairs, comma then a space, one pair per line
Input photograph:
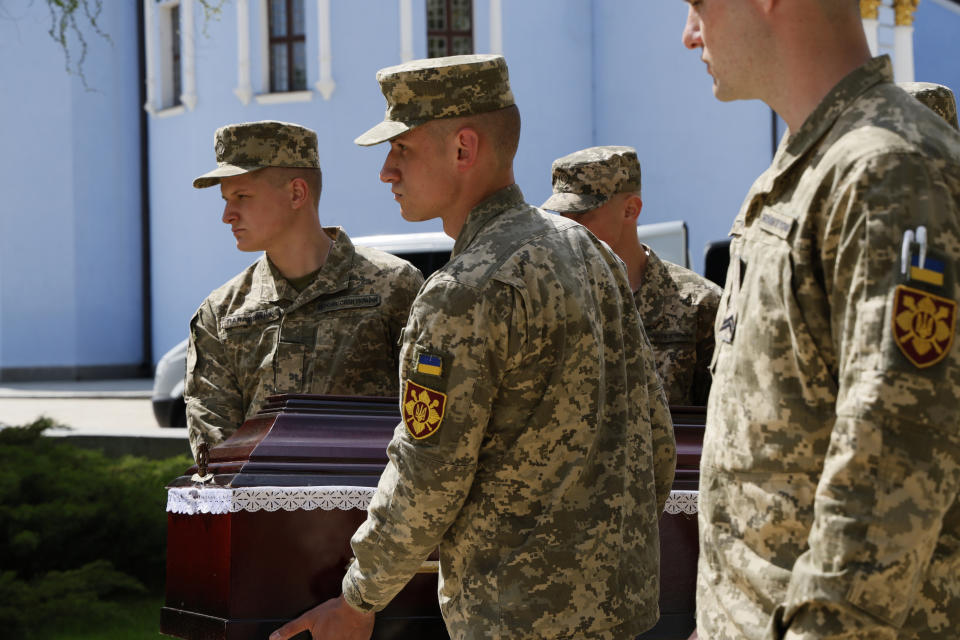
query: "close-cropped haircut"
500, 127
280, 176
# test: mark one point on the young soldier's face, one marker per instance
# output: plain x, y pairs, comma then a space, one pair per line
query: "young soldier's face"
256, 211
729, 35
418, 168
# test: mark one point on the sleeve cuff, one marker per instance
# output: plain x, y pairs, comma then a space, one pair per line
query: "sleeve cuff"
351, 594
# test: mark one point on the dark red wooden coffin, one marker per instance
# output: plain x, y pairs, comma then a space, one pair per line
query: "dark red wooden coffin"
239, 576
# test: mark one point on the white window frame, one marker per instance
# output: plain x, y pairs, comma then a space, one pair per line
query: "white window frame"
260, 92
406, 27
496, 27
158, 34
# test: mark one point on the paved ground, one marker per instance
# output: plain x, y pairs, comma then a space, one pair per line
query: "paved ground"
116, 412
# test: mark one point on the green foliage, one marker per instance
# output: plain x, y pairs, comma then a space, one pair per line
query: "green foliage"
76, 528
141, 621
63, 26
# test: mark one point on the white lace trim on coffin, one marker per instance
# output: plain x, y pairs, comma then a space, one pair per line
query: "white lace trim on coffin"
218, 501
684, 502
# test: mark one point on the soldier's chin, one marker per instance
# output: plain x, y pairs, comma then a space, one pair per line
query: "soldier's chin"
412, 216
247, 248
724, 93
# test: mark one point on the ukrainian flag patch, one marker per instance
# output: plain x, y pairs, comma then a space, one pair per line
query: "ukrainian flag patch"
429, 364
931, 272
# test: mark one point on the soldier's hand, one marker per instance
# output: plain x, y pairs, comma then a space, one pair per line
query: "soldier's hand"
334, 619
693, 636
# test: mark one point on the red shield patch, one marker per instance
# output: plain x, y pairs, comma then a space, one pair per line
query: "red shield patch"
422, 410
923, 325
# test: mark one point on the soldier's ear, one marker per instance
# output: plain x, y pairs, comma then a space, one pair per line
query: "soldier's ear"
467, 143
631, 208
299, 192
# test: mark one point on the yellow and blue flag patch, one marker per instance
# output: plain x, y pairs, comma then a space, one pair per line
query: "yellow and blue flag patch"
429, 364
931, 272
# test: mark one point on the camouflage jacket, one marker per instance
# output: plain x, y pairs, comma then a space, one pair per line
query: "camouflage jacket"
256, 336
536, 449
678, 307
831, 464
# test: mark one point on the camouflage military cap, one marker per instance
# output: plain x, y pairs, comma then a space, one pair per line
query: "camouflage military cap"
936, 96
248, 146
586, 179
436, 88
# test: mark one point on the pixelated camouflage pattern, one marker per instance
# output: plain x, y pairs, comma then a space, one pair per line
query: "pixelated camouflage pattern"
831, 464
678, 308
586, 179
936, 96
437, 88
543, 484
256, 336
249, 146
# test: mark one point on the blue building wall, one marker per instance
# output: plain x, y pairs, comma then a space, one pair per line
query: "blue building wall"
584, 72
698, 156
70, 288
936, 36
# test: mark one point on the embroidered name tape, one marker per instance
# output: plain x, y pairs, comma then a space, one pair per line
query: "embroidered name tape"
247, 319
429, 364
350, 302
777, 224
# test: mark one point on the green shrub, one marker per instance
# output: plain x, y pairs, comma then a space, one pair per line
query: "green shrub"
76, 528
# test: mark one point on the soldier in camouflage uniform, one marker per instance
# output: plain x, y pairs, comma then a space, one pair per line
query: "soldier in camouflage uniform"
314, 314
599, 187
536, 448
831, 463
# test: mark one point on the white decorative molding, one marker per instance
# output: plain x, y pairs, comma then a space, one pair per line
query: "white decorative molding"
406, 30
264, 24
244, 90
903, 70
325, 85
188, 63
282, 97
496, 27
151, 56
220, 501
170, 111
871, 27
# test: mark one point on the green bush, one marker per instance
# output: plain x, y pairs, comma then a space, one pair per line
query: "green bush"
76, 529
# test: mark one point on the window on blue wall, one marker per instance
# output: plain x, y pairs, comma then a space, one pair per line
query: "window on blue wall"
169, 51
288, 46
177, 82
449, 28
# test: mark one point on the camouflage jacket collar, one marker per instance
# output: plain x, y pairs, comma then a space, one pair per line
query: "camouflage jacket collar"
835, 103
796, 146
481, 215
655, 289
334, 276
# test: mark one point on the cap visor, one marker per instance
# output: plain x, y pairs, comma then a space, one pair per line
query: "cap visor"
572, 203
225, 171
382, 132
